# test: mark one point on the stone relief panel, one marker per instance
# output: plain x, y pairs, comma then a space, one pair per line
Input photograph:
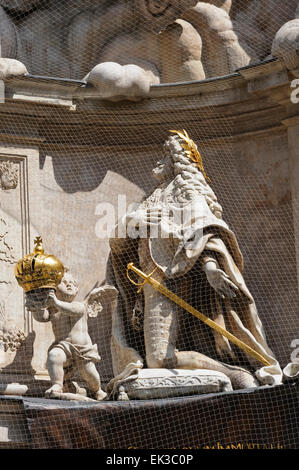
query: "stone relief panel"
9, 175
11, 339
7, 253
14, 324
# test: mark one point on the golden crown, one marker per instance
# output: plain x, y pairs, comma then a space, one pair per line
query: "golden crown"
192, 151
39, 270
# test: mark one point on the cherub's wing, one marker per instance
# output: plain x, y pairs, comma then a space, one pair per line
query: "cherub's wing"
97, 296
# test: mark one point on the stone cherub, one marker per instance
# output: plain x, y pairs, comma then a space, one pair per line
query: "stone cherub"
72, 350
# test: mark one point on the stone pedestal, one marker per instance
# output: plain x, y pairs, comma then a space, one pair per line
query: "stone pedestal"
263, 418
165, 383
14, 431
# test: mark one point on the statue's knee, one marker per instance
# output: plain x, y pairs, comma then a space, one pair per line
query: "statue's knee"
158, 362
56, 356
154, 362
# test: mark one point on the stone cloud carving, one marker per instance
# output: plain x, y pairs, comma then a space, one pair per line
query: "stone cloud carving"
286, 43
117, 47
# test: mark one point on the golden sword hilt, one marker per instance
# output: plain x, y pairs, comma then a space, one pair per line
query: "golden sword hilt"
141, 285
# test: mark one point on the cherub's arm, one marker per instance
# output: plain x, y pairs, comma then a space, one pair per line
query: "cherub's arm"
71, 309
68, 308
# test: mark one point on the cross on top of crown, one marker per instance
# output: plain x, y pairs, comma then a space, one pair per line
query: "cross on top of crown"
38, 240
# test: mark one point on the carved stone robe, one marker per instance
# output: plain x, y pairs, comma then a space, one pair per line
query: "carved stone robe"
180, 251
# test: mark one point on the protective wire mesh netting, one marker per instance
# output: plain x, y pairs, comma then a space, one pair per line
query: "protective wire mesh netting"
91, 158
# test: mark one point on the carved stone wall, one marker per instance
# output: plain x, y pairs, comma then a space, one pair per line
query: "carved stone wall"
83, 152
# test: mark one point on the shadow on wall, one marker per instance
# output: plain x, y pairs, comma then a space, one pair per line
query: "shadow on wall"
86, 173
256, 25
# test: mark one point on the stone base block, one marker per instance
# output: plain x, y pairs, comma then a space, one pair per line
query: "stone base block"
18, 385
260, 418
14, 431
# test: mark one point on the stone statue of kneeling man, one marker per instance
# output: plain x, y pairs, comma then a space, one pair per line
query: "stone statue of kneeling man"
72, 350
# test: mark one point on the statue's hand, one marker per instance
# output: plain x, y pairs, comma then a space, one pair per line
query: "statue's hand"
220, 281
52, 300
152, 216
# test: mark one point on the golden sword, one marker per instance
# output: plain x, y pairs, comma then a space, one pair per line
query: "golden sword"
161, 288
